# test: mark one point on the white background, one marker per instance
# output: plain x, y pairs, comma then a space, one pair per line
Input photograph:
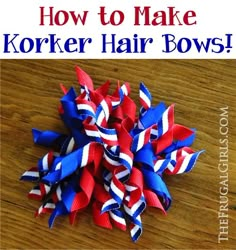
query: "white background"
215, 18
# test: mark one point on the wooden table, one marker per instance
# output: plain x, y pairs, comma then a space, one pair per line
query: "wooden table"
200, 88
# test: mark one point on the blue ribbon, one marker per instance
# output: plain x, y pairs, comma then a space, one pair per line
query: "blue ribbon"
158, 186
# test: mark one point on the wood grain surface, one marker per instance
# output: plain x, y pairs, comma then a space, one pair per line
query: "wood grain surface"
29, 98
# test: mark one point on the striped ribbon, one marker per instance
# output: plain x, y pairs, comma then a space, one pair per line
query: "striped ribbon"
110, 157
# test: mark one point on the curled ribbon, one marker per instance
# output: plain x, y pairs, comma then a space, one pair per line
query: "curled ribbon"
110, 157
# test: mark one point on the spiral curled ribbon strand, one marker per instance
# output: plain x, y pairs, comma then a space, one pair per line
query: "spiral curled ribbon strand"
110, 157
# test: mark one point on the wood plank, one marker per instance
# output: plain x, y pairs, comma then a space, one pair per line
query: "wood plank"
29, 98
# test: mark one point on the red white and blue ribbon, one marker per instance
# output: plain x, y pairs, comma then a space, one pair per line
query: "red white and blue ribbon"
111, 158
